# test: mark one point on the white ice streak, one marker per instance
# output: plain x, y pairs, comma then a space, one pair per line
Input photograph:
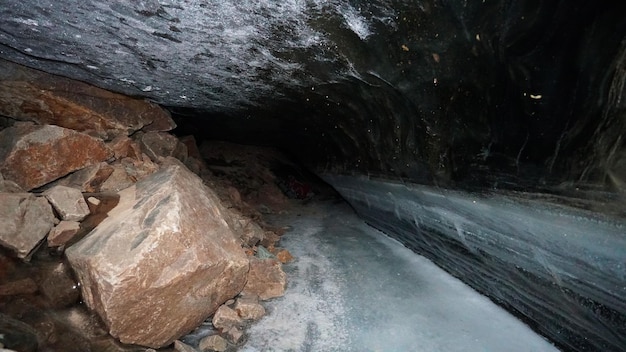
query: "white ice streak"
357, 23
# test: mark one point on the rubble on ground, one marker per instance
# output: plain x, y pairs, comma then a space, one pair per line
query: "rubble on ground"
159, 234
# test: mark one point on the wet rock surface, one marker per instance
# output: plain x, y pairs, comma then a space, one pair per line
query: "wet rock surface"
167, 249
33, 155
25, 220
68, 202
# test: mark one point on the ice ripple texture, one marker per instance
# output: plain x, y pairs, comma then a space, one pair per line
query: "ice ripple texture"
558, 267
351, 288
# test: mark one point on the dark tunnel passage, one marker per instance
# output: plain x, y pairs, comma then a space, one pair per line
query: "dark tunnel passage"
489, 137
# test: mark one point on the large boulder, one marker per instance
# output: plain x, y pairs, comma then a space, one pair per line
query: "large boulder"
33, 95
32, 155
162, 262
25, 220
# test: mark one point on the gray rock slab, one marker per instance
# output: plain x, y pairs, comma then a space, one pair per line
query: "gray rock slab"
68, 202
25, 220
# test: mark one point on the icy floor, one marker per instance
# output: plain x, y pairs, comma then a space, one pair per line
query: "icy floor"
352, 288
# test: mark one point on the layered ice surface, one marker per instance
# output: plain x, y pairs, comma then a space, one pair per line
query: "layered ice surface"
556, 260
352, 288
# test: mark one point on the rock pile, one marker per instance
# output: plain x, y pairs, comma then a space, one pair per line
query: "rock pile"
157, 239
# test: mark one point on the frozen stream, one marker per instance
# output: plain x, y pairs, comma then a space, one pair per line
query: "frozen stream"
351, 288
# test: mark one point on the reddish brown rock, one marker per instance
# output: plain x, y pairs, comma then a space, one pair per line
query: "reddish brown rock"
248, 230
248, 308
266, 279
225, 318
283, 255
25, 220
32, 95
63, 233
128, 171
124, 147
162, 261
33, 156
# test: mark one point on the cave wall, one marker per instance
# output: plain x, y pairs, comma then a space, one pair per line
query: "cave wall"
432, 91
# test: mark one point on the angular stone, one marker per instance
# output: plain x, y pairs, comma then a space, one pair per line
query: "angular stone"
213, 343
225, 318
93, 201
266, 279
180, 346
249, 231
32, 156
63, 233
25, 220
158, 145
68, 202
88, 179
118, 180
32, 95
162, 261
138, 169
248, 308
127, 171
234, 335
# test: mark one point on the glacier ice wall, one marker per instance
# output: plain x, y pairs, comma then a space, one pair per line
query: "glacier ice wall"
559, 267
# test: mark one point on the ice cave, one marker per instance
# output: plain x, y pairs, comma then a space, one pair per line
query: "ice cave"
468, 160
